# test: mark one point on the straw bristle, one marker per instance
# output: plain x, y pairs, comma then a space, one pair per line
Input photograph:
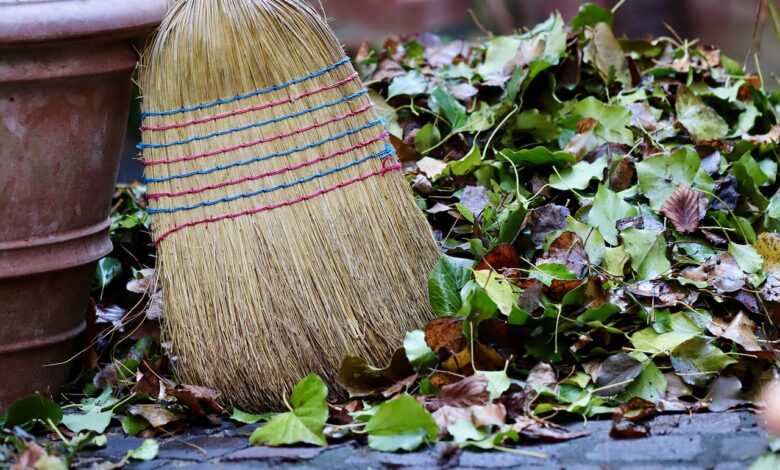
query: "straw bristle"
254, 303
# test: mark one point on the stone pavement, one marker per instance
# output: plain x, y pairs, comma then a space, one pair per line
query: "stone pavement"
721, 441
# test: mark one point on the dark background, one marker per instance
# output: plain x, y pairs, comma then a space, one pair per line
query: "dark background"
739, 27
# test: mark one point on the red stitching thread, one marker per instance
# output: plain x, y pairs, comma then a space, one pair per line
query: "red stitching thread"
265, 140
260, 107
277, 205
296, 166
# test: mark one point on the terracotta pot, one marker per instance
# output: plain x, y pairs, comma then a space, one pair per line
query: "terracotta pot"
65, 88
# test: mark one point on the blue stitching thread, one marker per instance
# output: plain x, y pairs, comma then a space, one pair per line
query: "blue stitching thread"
206, 171
387, 152
198, 138
261, 91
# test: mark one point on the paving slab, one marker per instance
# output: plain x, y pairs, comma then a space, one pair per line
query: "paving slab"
720, 441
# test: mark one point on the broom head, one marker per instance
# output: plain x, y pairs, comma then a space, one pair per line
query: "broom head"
286, 235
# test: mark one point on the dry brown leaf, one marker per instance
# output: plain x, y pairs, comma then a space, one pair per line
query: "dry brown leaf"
201, 400
685, 208
742, 330
155, 414
501, 257
463, 393
493, 414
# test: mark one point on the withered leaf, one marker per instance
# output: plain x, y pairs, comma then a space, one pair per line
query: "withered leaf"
466, 392
361, 379
685, 208
156, 415
534, 430
503, 256
445, 335
201, 400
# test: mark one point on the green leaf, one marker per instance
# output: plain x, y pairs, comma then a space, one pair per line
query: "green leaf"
448, 277
590, 14
464, 166
480, 120
427, 137
647, 249
537, 156
463, 430
304, 423
604, 52
747, 257
613, 119
148, 450
600, 314
650, 341
95, 421
442, 101
541, 126
579, 175
608, 207
546, 273
134, 425
498, 288
750, 176
241, 416
30, 408
401, 423
594, 242
500, 50
697, 361
108, 269
510, 220
498, 382
412, 83
659, 176
615, 259
702, 122
417, 350
650, 385
386, 112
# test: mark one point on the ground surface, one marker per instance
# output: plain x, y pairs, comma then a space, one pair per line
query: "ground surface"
722, 441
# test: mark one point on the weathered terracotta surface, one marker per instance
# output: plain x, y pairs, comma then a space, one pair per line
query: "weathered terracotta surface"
65, 89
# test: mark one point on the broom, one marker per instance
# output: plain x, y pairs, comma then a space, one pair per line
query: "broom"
286, 236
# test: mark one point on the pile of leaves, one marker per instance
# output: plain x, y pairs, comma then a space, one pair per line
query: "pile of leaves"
608, 212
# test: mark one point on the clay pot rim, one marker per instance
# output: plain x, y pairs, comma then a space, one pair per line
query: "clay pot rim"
30, 22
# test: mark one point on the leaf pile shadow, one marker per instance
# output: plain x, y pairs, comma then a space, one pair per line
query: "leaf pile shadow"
608, 213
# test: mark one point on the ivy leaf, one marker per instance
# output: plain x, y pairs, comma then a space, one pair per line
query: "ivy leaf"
500, 51
417, 350
538, 156
108, 269
685, 208
548, 272
608, 207
31, 408
650, 341
95, 421
647, 249
594, 242
579, 175
697, 361
498, 382
747, 257
650, 385
426, 138
466, 165
148, 450
498, 288
660, 176
605, 53
442, 101
701, 121
412, 83
590, 14
241, 416
304, 423
448, 277
400, 424
612, 119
